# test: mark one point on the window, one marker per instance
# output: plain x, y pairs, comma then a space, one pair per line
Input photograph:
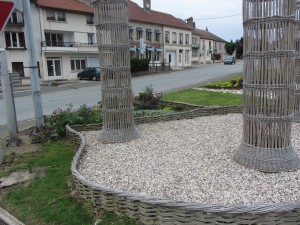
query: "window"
167, 37
157, 56
209, 45
187, 56
91, 38
14, 40
187, 39
54, 39
18, 67
61, 16
194, 41
50, 15
139, 33
215, 46
148, 34
174, 37
56, 16
78, 64
203, 45
220, 48
157, 35
16, 18
90, 19
181, 38
194, 53
130, 33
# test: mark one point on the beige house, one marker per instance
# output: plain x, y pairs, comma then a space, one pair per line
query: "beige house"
206, 46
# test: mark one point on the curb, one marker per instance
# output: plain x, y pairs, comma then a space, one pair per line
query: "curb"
8, 219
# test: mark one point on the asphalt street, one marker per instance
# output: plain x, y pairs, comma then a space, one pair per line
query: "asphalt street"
89, 92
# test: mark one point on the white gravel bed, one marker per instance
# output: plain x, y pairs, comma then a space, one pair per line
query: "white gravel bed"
239, 92
188, 160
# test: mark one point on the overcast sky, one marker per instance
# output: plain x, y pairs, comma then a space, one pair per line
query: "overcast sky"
229, 27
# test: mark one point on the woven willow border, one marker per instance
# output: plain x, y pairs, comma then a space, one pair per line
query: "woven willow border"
152, 210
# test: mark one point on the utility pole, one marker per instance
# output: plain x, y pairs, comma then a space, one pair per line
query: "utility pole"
33, 68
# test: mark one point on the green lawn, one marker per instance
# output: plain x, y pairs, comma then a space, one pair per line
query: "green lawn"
205, 98
48, 200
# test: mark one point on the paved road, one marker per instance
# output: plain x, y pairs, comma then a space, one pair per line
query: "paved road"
89, 92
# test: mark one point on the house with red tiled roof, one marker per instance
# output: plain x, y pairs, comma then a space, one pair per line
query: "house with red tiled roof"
206, 46
167, 38
65, 37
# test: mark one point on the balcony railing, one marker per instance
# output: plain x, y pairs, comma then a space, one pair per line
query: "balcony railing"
195, 45
69, 46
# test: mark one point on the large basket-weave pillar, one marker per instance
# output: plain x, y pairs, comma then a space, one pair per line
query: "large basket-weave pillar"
269, 86
111, 19
297, 64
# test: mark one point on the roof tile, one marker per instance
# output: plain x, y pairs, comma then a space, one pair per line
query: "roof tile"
136, 13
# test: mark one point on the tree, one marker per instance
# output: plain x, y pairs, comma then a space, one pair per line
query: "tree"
239, 48
230, 47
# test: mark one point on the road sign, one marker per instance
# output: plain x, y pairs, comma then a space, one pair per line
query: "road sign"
6, 8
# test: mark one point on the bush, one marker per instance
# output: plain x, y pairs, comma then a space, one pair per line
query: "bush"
139, 64
60, 118
147, 99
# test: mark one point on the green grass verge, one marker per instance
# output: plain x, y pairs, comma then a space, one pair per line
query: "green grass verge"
48, 200
205, 98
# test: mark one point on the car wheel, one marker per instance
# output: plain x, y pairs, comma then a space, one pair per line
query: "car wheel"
80, 78
94, 78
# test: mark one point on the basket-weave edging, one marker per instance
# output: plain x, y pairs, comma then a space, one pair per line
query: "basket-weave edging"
153, 210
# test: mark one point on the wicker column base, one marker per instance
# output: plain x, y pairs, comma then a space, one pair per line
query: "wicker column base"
117, 136
267, 160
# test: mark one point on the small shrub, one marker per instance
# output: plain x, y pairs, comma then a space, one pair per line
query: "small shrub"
147, 99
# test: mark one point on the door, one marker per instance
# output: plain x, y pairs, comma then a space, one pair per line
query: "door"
180, 59
54, 69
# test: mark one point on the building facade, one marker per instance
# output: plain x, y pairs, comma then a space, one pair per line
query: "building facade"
66, 40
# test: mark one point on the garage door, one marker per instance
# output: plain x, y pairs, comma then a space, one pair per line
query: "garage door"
93, 62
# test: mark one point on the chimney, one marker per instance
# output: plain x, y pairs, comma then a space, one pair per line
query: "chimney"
191, 23
147, 5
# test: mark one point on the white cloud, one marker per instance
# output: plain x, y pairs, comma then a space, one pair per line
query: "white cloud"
227, 28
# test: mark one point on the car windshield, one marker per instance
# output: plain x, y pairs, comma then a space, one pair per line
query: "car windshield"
228, 57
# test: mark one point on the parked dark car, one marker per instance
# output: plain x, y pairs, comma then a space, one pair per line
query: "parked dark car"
91, 73
229, 60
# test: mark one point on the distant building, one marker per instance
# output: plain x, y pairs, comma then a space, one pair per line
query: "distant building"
206, 46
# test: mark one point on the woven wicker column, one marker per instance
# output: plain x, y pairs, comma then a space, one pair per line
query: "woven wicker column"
297, 70
269, 86
111, 18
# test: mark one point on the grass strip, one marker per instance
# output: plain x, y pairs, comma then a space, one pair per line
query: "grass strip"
48, 200
204, 98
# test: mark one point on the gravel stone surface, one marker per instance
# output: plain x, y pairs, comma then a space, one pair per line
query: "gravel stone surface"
188, 160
